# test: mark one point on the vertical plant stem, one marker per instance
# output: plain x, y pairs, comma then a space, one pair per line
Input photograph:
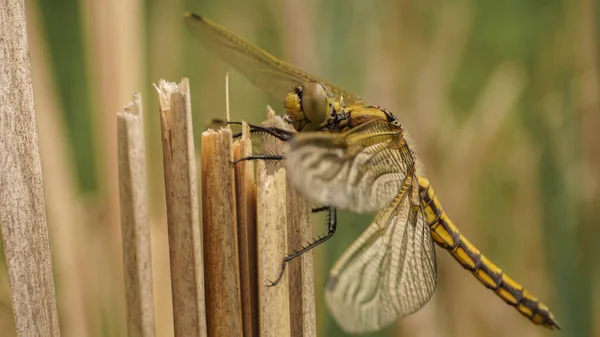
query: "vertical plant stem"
245, 192
272, 247
223, 298
301, 272
185, 245
22, 208
135, 222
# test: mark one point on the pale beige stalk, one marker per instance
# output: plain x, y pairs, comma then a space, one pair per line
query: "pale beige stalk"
135, 222
185, 243
223, 295
245, 192
22, 208
272, 247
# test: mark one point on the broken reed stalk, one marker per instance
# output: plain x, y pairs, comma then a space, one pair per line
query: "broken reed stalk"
219, 275
22, 208
299, 232
274, 302
271, 219
185, 245
222, 279
135, 221
301, 272
245, 191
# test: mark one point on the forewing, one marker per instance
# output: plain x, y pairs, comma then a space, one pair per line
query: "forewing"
268, 73
361, 169
387, 273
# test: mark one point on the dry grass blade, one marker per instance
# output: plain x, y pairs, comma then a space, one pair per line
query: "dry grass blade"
185, 245
135, 222
22, 207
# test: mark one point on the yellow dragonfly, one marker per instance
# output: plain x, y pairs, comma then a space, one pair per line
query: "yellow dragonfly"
349, 154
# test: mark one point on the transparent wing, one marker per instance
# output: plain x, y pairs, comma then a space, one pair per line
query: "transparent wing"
268, 73
387, 273
361, 169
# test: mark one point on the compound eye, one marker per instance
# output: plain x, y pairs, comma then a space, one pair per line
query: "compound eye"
315, 103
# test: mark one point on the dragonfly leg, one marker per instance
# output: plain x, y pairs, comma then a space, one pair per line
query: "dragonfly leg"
281, 134
321, 209
331, 227
266, 157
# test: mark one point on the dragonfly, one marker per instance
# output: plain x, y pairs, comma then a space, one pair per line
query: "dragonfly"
349, 154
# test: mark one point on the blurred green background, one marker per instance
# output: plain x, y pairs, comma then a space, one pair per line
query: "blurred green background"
501, 99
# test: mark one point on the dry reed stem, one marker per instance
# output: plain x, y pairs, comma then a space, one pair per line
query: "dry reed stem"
269, 214
223, 298
22, 207
245, 191
272, 247
185, 246
300, 271
135, 222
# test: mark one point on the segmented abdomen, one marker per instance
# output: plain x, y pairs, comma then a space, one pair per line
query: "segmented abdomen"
446, 235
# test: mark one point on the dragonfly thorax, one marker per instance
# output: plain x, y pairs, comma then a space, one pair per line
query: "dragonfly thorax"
309, 106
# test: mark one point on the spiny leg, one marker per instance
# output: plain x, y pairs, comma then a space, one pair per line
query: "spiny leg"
281, 134
331, 227
266, 157
321, 209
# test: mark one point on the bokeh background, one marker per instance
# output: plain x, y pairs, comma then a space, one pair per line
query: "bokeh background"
501, 99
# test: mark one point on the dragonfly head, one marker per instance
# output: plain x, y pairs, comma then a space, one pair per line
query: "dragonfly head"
308, 106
